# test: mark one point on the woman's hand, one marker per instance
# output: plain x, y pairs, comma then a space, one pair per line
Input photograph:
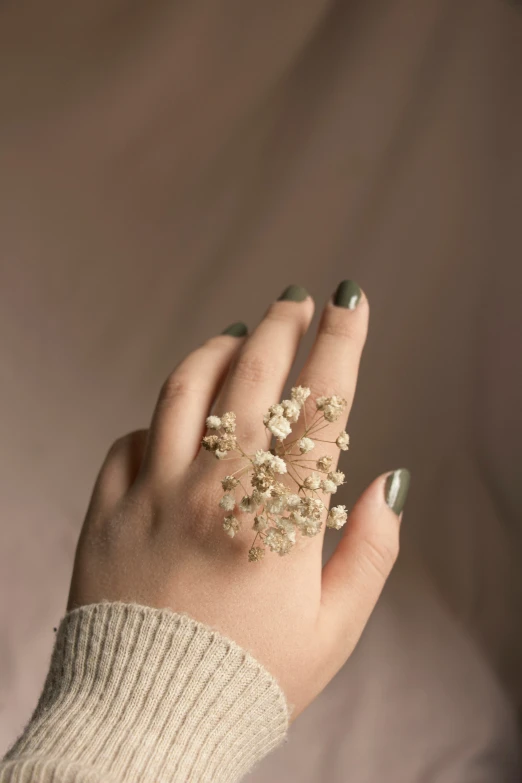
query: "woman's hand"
153, 532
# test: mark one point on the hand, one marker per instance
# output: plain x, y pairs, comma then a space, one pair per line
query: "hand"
153, 531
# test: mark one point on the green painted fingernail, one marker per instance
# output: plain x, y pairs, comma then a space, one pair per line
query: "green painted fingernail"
238, 329
294, 293
396, 489
347, 295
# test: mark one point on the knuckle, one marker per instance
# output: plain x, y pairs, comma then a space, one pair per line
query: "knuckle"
293, 321
139, 436
119, 445
339, 325
378, 555
175, 386
253, 368
134, 439
279, 313
203, 506
215, 344
321, 386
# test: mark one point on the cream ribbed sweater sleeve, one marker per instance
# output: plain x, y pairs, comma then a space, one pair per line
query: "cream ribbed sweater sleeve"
141, 694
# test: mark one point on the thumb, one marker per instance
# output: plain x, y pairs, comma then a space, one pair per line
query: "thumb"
354, 577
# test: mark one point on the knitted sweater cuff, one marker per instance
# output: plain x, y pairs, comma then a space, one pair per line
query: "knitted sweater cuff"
141, 694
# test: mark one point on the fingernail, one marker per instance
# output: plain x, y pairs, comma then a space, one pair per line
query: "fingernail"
347, 295
294, 293
396, 489
238, 329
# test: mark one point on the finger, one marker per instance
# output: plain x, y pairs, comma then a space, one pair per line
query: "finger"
353, 578
333, 363
331, 369
257, 376
184, 402
119, 470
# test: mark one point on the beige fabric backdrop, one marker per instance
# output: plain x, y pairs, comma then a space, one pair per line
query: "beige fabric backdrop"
167, 168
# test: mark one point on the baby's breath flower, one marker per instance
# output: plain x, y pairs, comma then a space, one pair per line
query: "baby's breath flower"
337, 517
280, 514
274, 410
312, 481
291, 410
343, 441
268, 460
335, 409
286, 525
259, 497
231, 525
293, 501
300, 394
273, 538
229, 482
337, 476
260, 523
262, 479
276, 500
331, 407
310, 527
210, 442
228, 421
256, 553
278, 542
279, 490
289, 533
261, 458
276, 505
312, 507
227, 443
248, 504
324, 463
305, 445
228, 502
328, 486
279, 427
278, 465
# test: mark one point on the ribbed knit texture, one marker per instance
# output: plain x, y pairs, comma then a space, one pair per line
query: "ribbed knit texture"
135, 693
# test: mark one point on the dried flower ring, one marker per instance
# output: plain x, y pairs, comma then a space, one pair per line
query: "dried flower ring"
279, 513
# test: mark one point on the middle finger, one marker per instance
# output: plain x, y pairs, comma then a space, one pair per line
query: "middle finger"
258, 375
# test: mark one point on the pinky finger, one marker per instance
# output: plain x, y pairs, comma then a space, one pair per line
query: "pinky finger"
355, 575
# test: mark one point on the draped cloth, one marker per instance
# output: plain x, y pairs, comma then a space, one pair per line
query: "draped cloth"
168, 168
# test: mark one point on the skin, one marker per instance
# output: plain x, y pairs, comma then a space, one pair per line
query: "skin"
153, 530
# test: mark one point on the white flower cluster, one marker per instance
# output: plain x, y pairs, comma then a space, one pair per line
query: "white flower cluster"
279, 512
279, 417
332, 407
224, 440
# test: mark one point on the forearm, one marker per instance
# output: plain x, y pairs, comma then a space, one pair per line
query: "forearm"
141, 694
